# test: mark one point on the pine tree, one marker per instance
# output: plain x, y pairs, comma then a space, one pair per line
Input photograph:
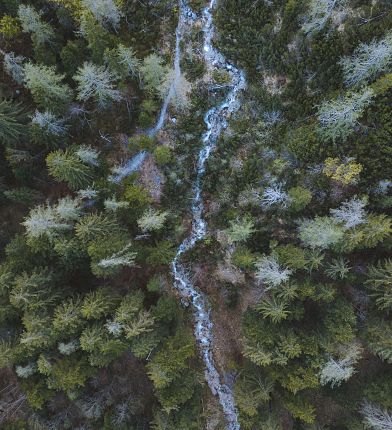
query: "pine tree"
44, 221
319, 13
33, 291
322, 232
336, 371
152, 220
338, 118
153, 73
240, 230
96, 82
274, 195
67, 318
368, 61
88, 155
351, 213
274, 309
97, 226
128, 60
47, 88
32, 22
269, 272
338, 269
375, 417
113, 205
66, 166
49, 123
11, 122
13, 65
123, 258
68, 209
380, 284
105, 12
379, 338
98, 304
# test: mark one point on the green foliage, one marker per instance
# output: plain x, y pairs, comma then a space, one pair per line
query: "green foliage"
47, 88
96, 226
153, 73
66, 166
240, 230
379, 283
98, 304
9, 27
163, 155
300, 197
11, 122
167, 365
274, 309
322, 232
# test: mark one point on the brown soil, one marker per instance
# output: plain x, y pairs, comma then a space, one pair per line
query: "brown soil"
227, 320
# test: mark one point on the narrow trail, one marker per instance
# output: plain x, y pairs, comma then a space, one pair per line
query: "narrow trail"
216, 120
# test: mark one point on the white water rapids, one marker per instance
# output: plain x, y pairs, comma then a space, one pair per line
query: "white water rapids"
216, 121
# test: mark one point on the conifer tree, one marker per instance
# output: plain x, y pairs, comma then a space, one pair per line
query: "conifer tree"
368, 61
66, 166
11, 122
338, 118
96, 82
46, 87
41, 31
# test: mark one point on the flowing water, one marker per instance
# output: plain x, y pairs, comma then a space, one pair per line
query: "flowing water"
216, 121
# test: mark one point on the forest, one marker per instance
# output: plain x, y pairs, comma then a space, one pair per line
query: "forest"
195, 214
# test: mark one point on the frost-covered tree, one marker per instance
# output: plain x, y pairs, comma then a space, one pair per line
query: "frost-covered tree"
383, 186
13, 65
152, 220
338, 118
153, 73
114, 328
46, 87
69, 347
127, 59
178, 87
112, 205
376, 418
123, 258
49, 123
351, 213
319, 13
68, 167
68, 209
26, 371
368, 61
240, 230
87, 194
336, 371
274, 195
44, 221
88, 155
271, 273
322, 232
96, 82
106, 12
41, 31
